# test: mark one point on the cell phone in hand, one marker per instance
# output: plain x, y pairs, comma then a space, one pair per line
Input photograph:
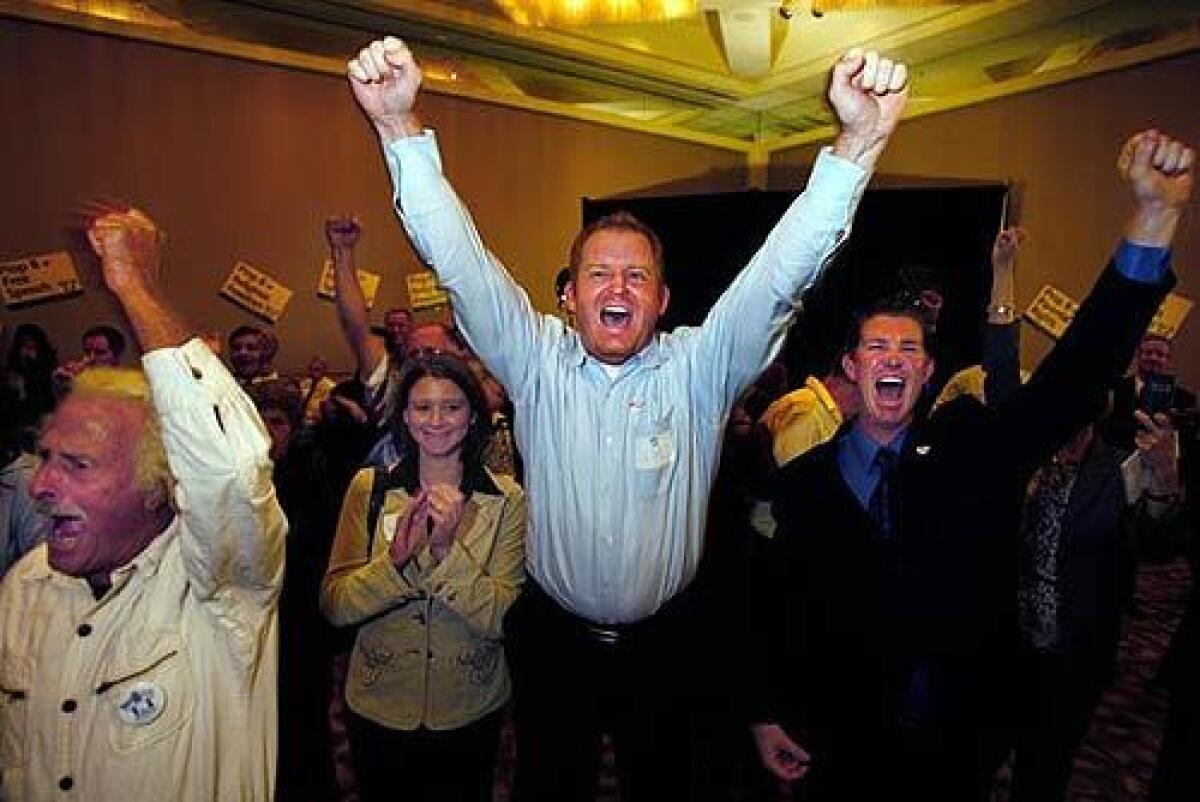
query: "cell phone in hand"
1158, 393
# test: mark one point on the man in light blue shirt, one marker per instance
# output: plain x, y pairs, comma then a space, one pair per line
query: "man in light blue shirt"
620, 425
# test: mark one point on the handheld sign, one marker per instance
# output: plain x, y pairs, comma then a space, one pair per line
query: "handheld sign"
256, 292
368, 281
39, 278
424, 292
1052, 311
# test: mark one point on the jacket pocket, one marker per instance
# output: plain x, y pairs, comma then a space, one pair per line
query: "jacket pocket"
148, 698
654, 456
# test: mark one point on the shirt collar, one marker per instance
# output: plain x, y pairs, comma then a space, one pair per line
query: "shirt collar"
146, 562
475, 479
862, 449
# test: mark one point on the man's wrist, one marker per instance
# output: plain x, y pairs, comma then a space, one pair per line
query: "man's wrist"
398, 127
862, 149
1001, 313
1152, 225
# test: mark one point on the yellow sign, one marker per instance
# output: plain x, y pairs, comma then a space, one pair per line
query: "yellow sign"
1170, 316
39, 278
424, 292
256, 292
1052, 310
368, 281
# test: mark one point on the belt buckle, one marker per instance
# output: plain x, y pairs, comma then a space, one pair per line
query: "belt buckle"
609, 636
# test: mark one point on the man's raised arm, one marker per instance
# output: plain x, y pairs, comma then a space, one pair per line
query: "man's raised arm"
342, 234
746, 327
130, 248
492, 311
216, 445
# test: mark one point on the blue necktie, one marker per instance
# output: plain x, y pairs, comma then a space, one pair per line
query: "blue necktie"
884, 504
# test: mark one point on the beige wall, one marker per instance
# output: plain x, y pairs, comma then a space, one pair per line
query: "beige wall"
243, 161
1059, 146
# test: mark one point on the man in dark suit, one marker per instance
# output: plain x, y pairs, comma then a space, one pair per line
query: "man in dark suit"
1153, 358
890, 614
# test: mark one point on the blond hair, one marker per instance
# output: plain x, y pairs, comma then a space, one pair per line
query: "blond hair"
152, 473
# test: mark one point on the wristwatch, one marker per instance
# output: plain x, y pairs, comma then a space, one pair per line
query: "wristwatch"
1001, 313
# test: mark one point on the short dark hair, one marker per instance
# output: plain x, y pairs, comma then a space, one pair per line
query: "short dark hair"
111, 334
898, 305
453, 369
450, 332
270, 343
617, 221
280, 394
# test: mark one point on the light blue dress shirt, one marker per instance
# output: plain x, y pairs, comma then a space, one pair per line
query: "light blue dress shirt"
618, 469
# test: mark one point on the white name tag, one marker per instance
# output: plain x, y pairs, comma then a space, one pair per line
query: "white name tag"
388, 524
653, 451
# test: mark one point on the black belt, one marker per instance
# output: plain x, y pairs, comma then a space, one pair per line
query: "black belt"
669, 614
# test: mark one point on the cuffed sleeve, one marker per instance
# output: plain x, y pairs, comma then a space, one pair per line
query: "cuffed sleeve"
492, 310
217, 448
746, 327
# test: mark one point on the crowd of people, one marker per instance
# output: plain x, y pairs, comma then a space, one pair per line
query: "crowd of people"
581, 526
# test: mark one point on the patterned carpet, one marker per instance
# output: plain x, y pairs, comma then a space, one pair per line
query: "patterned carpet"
1116, 759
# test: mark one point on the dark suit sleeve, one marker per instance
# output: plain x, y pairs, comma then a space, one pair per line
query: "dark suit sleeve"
1184, 398
1001, 361
776, 682
1067, 390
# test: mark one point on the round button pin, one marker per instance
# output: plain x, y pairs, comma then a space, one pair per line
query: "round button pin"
142, 704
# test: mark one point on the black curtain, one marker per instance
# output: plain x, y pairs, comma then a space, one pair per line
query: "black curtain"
902, 238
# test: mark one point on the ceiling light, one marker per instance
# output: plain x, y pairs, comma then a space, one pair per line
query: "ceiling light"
821, 6
583, 12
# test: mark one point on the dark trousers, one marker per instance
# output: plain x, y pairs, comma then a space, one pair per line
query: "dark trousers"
574, 681
452, 766
1177, 775
893, 763
1059, 695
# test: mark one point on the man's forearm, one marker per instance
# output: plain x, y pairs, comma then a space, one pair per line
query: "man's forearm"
351, 303
493, 312
155, 322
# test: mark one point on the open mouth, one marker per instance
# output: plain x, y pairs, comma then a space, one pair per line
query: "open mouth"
890, 389
614, 316
65, 531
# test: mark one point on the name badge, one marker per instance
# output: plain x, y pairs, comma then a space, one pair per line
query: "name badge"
387, 523
143, 704
653, 451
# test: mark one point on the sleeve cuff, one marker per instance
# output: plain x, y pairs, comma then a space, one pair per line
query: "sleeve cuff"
1142, 263
416, 167
173, 373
